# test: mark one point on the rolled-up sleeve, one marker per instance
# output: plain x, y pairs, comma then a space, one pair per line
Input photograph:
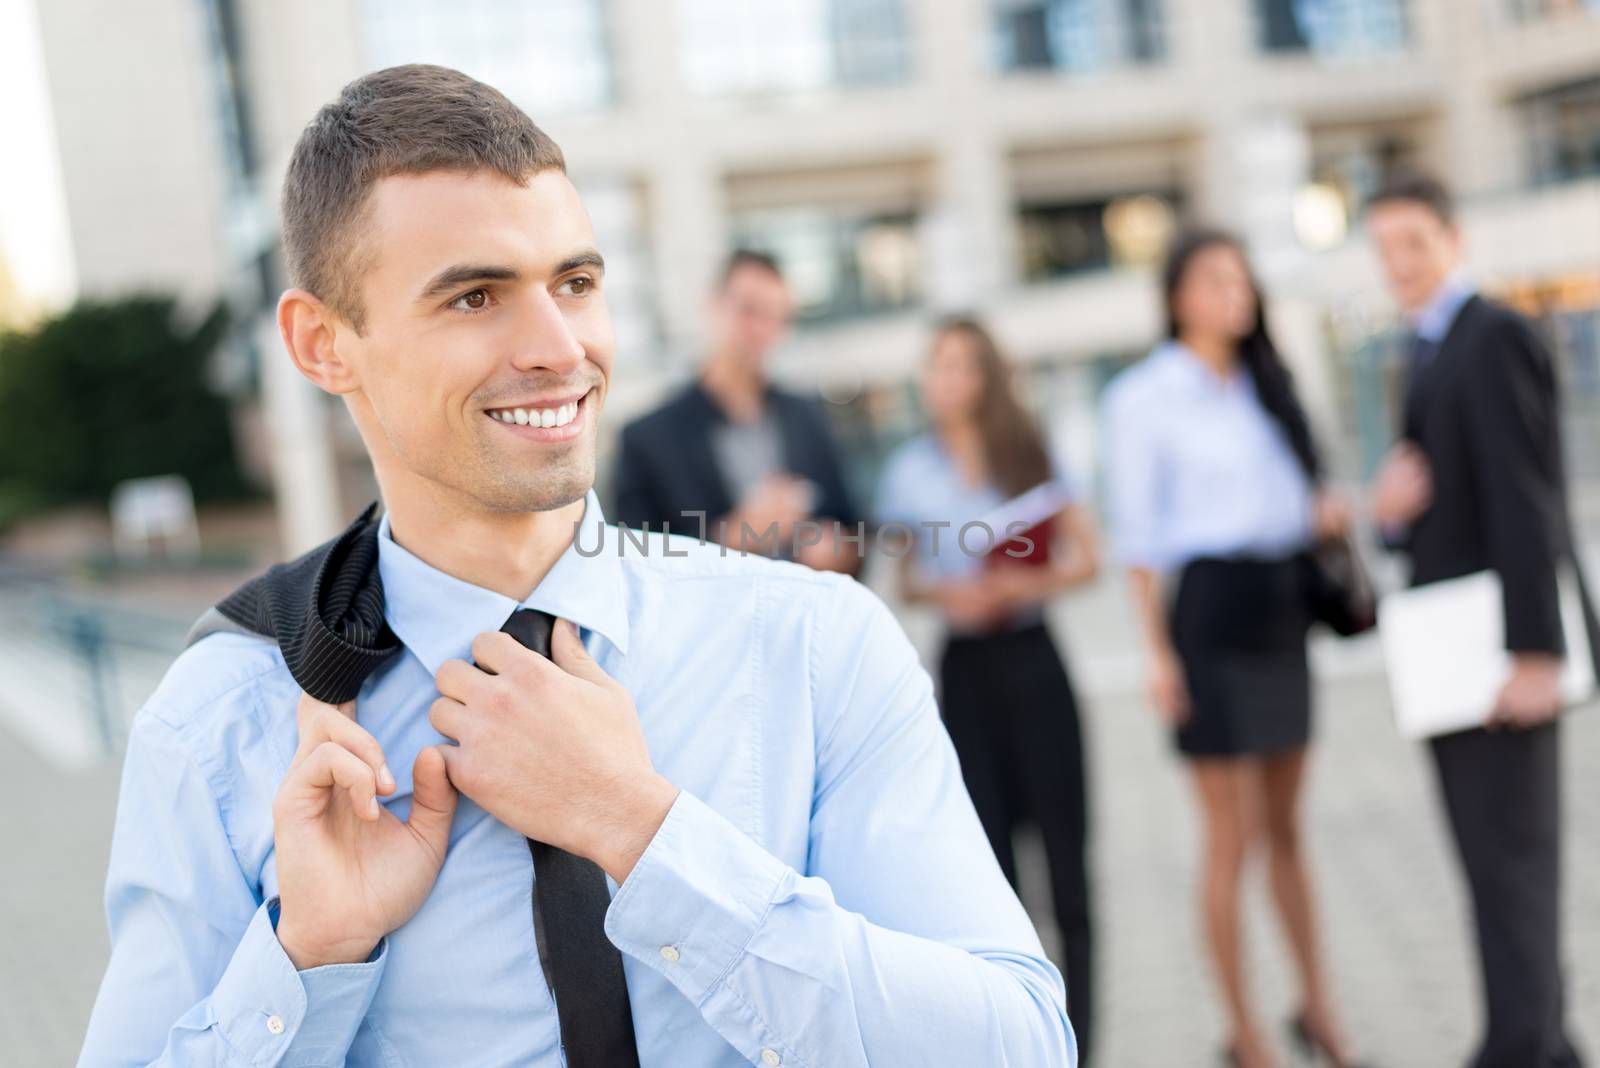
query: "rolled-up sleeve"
197, 975
902, 943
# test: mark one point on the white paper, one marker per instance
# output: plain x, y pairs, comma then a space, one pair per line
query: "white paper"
1444, 645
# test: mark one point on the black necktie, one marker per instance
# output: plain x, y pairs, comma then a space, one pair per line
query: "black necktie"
581, 965
325, 611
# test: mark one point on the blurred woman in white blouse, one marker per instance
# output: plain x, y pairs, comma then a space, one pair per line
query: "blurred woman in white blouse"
1005, 695
1213, 483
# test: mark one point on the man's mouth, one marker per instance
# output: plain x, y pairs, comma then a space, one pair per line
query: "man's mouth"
553, 420
558, 416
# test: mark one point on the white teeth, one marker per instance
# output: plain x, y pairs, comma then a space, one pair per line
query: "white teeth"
540, 417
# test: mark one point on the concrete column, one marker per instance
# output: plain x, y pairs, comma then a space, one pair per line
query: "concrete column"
970, 227
684, 204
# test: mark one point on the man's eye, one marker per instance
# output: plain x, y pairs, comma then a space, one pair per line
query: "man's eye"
476, 300
578, 286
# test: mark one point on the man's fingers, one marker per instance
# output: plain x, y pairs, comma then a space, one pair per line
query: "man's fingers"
496, 652
448, 716
310, 708
330, 766
567, 650
458, 679
433, 799
321, 723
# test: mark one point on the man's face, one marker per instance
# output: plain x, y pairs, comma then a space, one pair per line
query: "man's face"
488, 348
751, 313
1418, 249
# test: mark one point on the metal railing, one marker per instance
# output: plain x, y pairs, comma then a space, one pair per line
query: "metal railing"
77, 667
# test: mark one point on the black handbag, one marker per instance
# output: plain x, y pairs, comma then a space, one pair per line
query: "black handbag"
1338, 588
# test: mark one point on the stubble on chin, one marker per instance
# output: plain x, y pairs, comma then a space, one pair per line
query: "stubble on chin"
565, 476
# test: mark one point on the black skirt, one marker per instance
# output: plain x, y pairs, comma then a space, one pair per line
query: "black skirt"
1239, 627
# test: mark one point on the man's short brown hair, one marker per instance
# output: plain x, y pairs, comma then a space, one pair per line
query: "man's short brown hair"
402, 120
1416, 188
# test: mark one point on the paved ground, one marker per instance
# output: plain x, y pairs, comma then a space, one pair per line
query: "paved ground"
1393, 910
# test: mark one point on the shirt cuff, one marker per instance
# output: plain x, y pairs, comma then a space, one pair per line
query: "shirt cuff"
274, 1015
696, 897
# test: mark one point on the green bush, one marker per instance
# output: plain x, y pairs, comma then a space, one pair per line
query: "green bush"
107, 391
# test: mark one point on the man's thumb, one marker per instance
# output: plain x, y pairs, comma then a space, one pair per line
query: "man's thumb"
433, 799
567, 650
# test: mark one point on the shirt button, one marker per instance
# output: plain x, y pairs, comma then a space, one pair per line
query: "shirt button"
770, 1058
275, 1024
670, 953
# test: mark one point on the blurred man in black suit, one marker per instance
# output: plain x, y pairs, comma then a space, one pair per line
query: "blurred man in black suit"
1477, 483
753, 458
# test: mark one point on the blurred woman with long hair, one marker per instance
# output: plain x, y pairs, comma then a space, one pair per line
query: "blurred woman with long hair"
1214, 484
1006, 698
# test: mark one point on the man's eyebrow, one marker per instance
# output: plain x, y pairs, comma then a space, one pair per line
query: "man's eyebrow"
454, 277
587, 258
459, 275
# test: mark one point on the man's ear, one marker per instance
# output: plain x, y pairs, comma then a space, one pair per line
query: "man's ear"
309, 328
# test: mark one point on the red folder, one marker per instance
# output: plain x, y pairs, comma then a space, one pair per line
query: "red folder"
1024, 526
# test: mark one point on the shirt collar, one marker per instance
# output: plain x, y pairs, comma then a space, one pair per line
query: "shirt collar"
437, 615
1195, 369
1433, 322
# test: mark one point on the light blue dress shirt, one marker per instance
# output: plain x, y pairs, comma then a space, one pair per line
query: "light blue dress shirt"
1195, 467
1436, 318
820, 894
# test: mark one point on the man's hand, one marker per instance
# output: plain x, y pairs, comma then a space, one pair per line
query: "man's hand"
1330, 515
552, 749
1403, 489
828, 552
778, 501
1532, 695
349, 871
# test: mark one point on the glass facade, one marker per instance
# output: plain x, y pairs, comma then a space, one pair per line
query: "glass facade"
840, 263
1563, 132
1070, 236
553, 57
733, 48
1077, 36
1333, 28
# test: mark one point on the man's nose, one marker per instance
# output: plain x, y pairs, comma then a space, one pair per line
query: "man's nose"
544, 338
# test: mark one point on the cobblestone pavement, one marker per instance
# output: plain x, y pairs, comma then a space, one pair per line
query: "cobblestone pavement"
1393, 908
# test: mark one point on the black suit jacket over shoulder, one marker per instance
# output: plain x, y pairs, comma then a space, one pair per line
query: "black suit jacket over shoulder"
666, 467
1486, 413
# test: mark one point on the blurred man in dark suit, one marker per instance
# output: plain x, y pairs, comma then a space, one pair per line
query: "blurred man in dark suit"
754, 459
1477, 483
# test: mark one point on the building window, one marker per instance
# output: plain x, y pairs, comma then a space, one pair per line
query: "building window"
732, 47
839, 263
1077, 35
1095, 234
550, 58
1563, 129
1333, 27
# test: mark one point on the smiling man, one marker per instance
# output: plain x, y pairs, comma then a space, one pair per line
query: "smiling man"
744, 754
